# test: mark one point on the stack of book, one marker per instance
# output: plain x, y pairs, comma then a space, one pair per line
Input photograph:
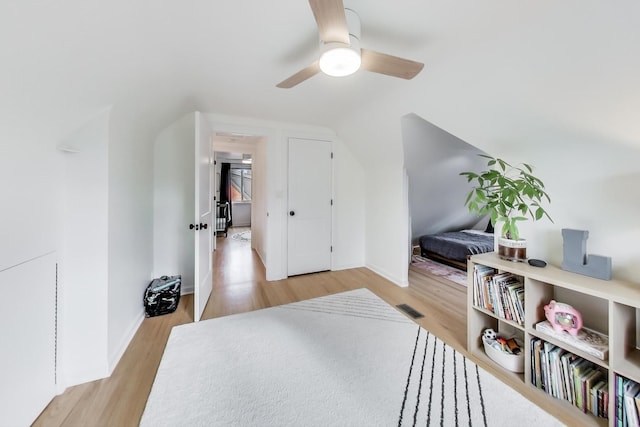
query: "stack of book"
500, 293
627, 405
567, 376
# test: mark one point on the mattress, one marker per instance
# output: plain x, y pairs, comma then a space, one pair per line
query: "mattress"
457, 245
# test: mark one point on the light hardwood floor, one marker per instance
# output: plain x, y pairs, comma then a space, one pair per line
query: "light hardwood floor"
240, 286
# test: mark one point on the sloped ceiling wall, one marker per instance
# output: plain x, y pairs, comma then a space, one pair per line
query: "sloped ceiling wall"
433, 160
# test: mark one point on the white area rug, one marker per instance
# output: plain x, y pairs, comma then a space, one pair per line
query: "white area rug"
347, 359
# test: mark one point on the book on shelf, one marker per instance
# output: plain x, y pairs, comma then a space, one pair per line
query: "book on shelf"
627, 402
481, 276
499, 293
575, 366
619, 408
536, 371
621, 419
630, 389
556, 373
566, 360
589, 341
580, 371
588, 384
546, 372
569, 377
597, 399
637, 401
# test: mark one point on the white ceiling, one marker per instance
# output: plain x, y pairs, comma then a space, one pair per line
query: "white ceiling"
571, 65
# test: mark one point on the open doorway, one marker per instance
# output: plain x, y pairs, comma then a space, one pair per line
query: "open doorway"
234, 193
240, 199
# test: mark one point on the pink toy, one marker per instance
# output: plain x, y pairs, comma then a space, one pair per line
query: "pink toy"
563, 317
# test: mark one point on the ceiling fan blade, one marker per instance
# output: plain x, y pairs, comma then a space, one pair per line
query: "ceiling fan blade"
390, 65
300, 76
331, 20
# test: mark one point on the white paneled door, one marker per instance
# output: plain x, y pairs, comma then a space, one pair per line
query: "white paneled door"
204, 225
309, 206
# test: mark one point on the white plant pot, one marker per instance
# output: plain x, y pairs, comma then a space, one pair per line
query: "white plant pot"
512, 250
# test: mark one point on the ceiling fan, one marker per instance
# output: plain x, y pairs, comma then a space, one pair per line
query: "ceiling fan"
340, 52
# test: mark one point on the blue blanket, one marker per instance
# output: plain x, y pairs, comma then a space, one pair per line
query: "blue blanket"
457, 245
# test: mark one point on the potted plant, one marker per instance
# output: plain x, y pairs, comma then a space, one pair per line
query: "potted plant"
509, 194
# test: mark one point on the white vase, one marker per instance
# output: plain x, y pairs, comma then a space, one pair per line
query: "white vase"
512, 250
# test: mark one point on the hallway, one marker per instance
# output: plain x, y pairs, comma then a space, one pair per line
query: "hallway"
238, 274
235, 263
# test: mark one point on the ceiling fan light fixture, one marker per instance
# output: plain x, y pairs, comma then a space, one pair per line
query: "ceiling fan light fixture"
340, 53
339, 60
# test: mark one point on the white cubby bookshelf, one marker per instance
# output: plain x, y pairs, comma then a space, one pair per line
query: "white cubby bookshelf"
607, 306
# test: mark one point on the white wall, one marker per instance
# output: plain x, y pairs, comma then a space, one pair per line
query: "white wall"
92, 207
592, 185
130, 227
241, 214
28, 232
387, 225
259, 172
348, 209
174, 201
83, 253
27, 328
29, 192
375, 138
105, 229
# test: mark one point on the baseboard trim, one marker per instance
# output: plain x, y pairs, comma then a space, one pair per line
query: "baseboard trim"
84, 377
403, 283
347, 266
115, 357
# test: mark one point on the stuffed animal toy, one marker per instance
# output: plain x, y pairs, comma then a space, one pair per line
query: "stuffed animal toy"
489, 335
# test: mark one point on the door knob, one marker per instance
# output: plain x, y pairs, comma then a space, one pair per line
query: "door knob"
191, 227
203, 226
292, 213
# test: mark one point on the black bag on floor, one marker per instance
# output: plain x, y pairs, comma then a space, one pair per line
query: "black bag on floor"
162, 295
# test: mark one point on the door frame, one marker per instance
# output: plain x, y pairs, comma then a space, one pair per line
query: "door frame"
274, 158
203, 251
327, 145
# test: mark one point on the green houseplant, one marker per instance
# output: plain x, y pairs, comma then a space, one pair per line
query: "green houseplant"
509, 194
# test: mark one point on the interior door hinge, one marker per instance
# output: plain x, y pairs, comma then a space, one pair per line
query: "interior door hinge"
331, 202
215, 162
331, 249
332, 154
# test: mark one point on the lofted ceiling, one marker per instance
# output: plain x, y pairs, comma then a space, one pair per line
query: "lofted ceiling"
571, 64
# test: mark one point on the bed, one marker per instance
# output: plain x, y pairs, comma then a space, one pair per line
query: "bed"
454, 247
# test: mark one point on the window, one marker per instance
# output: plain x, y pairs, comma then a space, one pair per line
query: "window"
240, 179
